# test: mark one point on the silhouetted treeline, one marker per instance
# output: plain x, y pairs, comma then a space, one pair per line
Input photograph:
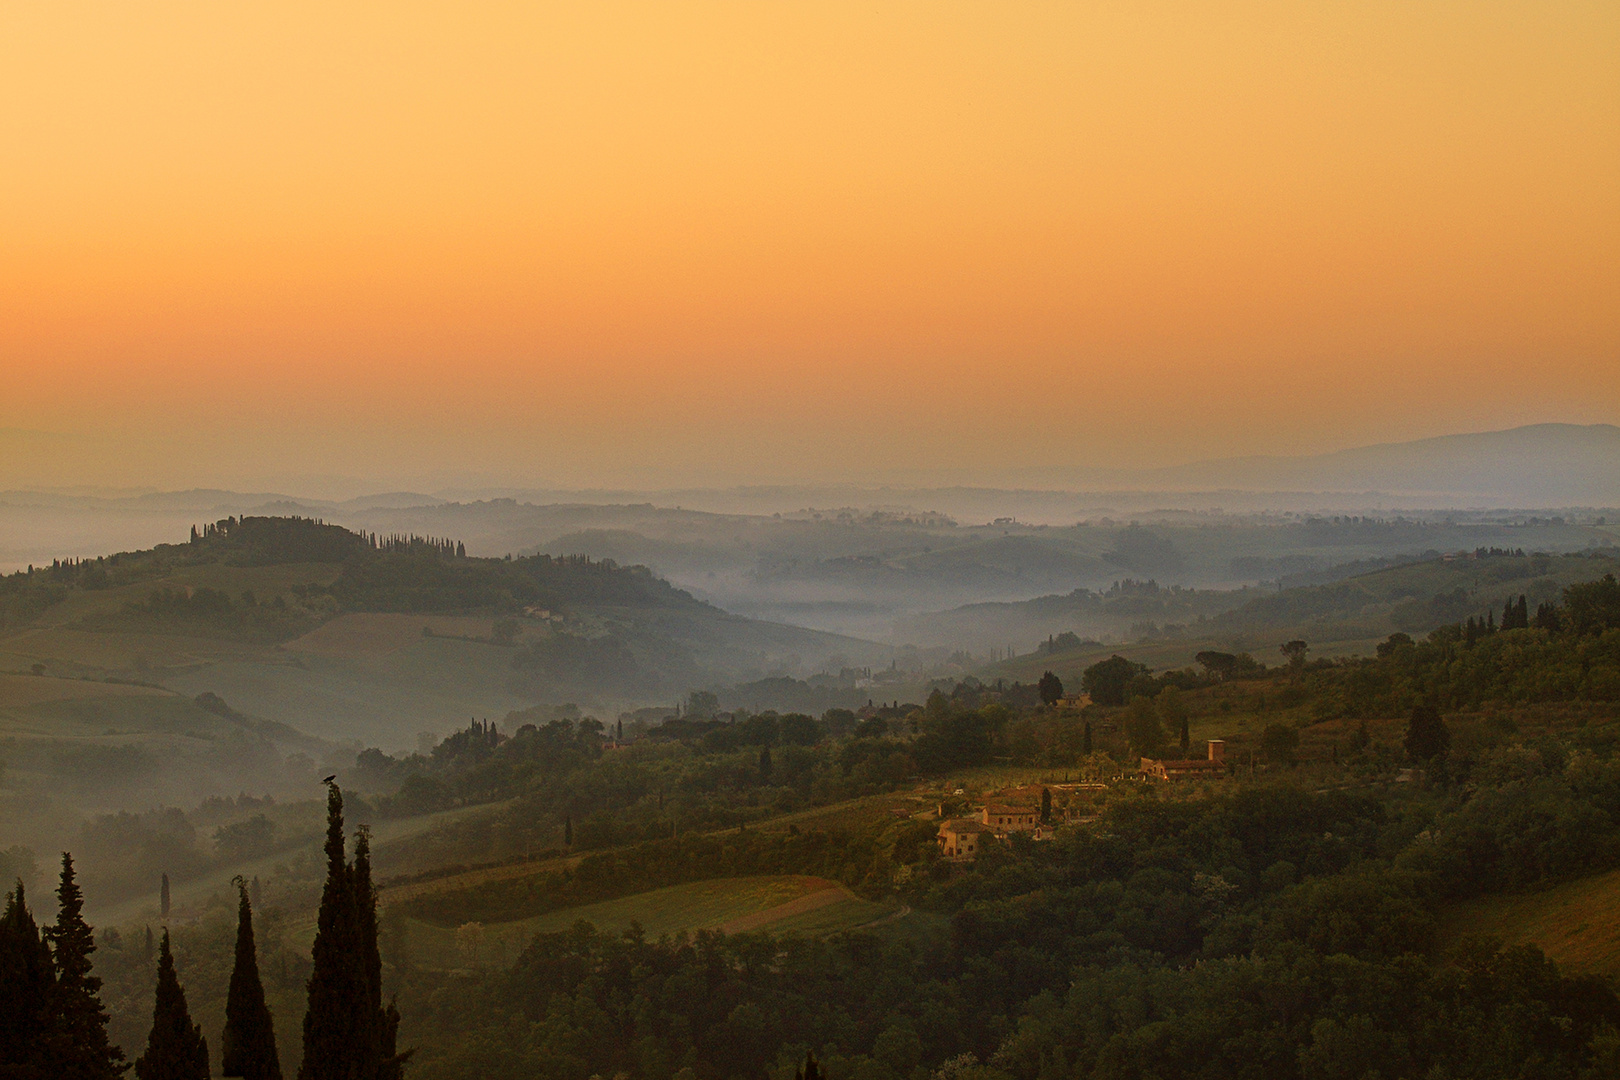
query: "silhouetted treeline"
53, 1023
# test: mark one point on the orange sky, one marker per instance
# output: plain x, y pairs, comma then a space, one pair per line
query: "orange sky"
621, 243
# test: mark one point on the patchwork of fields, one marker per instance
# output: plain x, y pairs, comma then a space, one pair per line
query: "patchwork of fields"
780, 904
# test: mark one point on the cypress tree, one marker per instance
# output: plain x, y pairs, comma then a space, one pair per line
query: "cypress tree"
765, 763
337, 1020
1426, 733
365, 910
383, 1023
248, 1044
76, 1046
393, 1062
26, 983
176, 1049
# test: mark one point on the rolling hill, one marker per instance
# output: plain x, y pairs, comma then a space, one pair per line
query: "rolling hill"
1337, 617
373, 640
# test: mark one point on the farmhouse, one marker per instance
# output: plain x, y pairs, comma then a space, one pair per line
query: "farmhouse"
961, 838
1073, 702
1188, 768
1005, 819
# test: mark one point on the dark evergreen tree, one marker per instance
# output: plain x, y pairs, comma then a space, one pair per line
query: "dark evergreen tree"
384, 1020
248, 1044
1050, 688
1548, 617
1427, 736
163, 898
393, 1062
176, 1049
26, 982
75, 1035
811, 1070
1046, 805
337, 1043
365, 910
1085, 739
765, 763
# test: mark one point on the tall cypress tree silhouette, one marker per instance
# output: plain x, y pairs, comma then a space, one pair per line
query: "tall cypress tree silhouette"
176, 1049
75, 1036
365, 913
383, 1036
248, 1043
26, 983
337, 1024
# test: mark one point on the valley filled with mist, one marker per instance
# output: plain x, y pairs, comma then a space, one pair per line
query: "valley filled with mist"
738, 717
810, 541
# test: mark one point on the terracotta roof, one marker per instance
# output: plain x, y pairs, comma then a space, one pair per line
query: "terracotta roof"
964, 825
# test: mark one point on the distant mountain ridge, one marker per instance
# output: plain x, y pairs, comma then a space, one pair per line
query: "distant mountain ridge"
1537, 465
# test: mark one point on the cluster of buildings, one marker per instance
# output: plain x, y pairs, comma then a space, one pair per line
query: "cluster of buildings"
963, 838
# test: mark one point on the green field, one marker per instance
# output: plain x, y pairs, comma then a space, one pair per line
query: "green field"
1575, 923
781, 904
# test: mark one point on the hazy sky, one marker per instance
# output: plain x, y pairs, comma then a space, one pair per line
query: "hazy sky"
654, 242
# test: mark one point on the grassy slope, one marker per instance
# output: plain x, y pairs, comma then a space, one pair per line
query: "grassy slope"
1575, 923
98, 746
